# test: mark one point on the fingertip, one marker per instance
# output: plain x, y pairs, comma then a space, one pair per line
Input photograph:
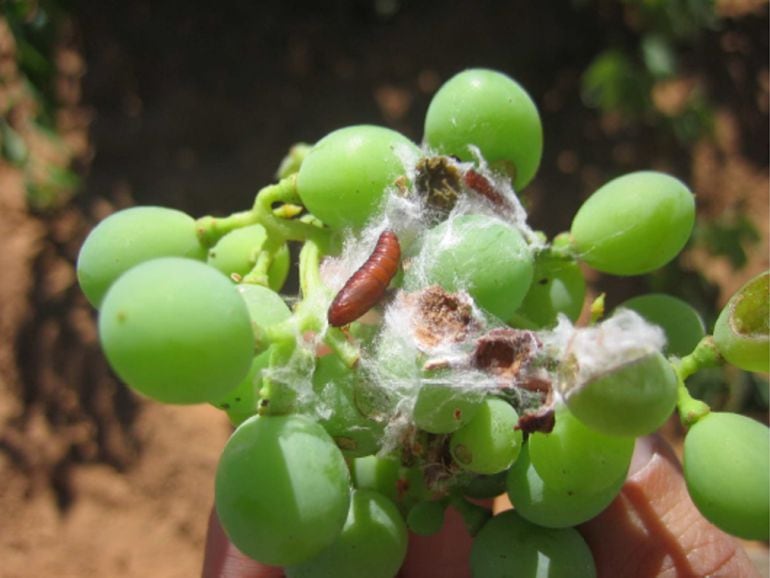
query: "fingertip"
645, 448
223, 560
653, 529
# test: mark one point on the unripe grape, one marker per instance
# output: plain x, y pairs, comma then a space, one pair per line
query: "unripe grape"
265, 306
481, 486
508, 545
236, 253
443, 407
404, 486
427, 517
282, 489
176, 330
492, 112
633, 399
489, 443
576, 458
241, 403
552, 506
334, 382
682, 324
558, 286
129, 237
741, 332
279, 269
481, 255
726, 466
372, 543
634, 224
344, 178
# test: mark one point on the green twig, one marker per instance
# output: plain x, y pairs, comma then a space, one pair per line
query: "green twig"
309, 317
211, 229
259, 273
704, 355
279, 230
285, 191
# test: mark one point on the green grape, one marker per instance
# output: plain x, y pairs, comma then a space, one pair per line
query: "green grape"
130, 237
282, 489
553, 507
633, 399
481, 255
482, 487
236, 253
379, 474
508, 546
241, 403
396, 364
334, 383
293, 160
634, 224
344, 178
177, 331
488, 110
488, 444
372, 543
682, 324
404, 486
741, 332
726, 468
558, 286
265, 306
575, 458
426, 517
279, 269
442, 407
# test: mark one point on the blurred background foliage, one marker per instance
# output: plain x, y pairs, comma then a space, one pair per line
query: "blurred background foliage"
41, 129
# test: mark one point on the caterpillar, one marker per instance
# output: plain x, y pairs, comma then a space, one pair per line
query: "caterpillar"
477, 182
368, 284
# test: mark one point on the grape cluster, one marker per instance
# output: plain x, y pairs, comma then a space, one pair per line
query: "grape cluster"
467, 379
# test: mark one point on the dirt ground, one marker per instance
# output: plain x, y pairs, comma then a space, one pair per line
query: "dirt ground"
147, 521
97, 482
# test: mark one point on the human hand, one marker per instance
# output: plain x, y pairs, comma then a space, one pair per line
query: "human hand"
651, 530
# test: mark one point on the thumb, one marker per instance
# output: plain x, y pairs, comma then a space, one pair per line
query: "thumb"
653, 529
223, 560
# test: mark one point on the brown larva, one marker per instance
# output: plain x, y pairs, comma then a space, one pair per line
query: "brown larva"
367, 286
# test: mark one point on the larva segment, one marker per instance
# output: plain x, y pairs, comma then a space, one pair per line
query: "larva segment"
368, 284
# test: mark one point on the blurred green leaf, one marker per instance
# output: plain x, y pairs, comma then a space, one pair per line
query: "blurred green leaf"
695, 121
658, 55
612, 82
52, 191
14, 149
728, 236
676, 19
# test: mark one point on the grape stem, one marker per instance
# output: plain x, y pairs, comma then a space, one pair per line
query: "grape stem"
704, 355
292, 162
211, 229
309, 318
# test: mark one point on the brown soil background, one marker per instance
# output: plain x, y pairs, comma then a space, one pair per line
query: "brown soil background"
193, 108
